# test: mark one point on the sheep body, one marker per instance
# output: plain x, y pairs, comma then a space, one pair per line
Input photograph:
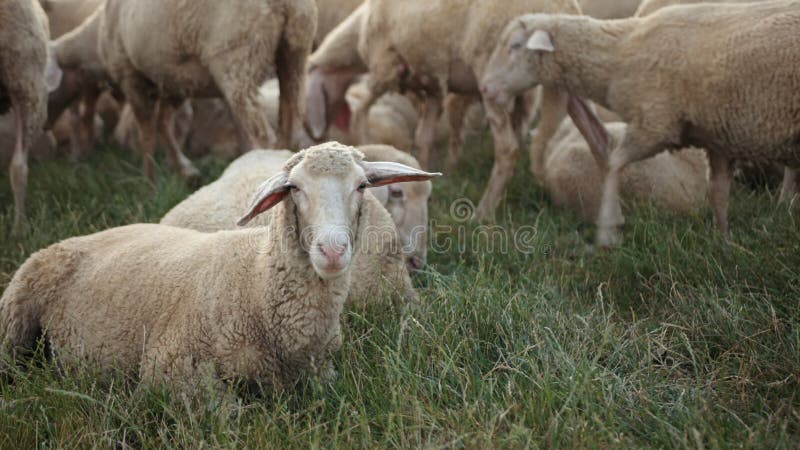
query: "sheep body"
609, 9
178, 304
208, 49
728, 95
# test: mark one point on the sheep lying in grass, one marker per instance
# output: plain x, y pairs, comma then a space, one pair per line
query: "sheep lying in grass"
26, 74
260, 304
215, 207
744, 106
573, 178
206, 48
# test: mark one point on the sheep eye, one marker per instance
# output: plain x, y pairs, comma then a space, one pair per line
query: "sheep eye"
362, 187
516, 46
294, 189
396, 194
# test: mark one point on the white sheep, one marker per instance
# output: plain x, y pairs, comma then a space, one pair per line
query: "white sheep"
159, 53
573, 178
179, 305
432, 47
27, 72
736, 95
215, 206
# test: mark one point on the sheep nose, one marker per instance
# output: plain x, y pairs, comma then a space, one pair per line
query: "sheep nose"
333, 253
414, 264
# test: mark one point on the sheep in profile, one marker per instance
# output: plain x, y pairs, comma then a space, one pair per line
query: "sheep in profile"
26, 74
737, 111
178, 305
573, 178
403, 222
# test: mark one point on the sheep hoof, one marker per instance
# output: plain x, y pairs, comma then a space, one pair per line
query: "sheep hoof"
608, 237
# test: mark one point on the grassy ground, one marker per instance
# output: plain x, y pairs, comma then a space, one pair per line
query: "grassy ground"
676, 339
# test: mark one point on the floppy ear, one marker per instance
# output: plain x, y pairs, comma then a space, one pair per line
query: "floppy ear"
52, 73
540, 41
383, 173
269, 194
316, 105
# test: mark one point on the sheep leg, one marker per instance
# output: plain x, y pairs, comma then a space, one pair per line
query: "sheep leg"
166, 127
18, 171
553, 111
235, 81
426, 129
144, 109
87, 114
721, 175
789, 187
291, 68
359, 123
456, 107
505, 158
637, 145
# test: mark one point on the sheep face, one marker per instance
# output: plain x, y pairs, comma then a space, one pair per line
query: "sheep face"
326, 184
407, 203
521, 60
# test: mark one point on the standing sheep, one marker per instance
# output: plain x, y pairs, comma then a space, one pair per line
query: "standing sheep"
26, 74
179, 305
736, 95
161, 52
432, 47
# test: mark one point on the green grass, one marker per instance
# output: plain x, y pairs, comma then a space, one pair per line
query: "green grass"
676, 339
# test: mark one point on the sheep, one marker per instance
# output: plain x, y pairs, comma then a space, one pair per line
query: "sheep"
439, 48
572, 178
262, 305
406, 203
197, 52
27, 72
86, 86
715, 96
609, 9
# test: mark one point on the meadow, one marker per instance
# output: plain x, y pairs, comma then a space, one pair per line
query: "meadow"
532, 338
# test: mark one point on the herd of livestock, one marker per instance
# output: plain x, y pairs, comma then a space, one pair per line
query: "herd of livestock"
659, 100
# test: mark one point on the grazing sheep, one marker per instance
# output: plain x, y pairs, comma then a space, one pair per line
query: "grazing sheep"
259, 304
439, 48
736, 95
573, 178
406, 203
207, 48
609, 9
26, 74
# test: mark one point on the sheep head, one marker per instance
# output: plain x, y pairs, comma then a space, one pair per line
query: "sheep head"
523, 59
326, 184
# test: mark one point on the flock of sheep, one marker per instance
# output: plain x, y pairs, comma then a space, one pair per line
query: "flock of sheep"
196, 296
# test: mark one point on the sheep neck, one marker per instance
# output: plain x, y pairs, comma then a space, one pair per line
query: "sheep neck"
586, 55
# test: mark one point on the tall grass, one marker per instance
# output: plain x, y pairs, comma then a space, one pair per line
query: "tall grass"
676, 339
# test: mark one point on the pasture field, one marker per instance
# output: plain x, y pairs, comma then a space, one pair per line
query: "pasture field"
529, 338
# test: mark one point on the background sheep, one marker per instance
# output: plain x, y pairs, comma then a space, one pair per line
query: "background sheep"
24, 86
609, 9
202, 54
624, 64
573, 178
439, 48
177, 304
406, 203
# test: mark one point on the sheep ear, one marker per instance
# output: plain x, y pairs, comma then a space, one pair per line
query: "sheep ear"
52, 73
269, 194
383, 173
540, 41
